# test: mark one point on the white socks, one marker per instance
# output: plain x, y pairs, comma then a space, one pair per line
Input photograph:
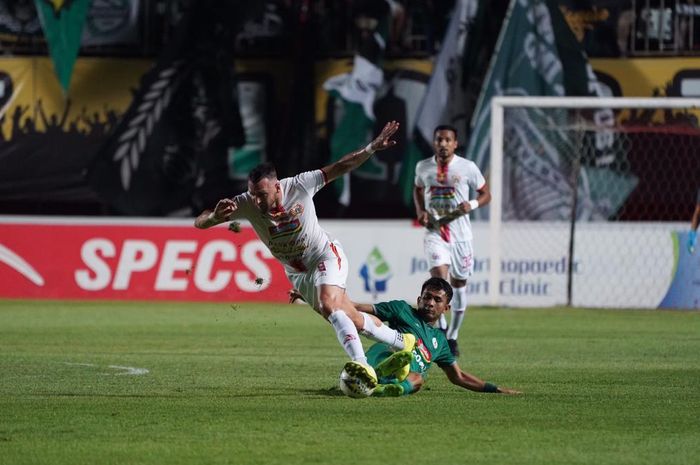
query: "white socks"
442, 323
459, 309
382, 333
347, 335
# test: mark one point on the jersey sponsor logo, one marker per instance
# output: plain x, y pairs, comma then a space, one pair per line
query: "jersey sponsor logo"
285, 229
424, 352
20, 265
442, 192
435, 343
296, 210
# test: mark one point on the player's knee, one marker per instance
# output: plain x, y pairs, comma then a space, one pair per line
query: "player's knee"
330, 300
416, 381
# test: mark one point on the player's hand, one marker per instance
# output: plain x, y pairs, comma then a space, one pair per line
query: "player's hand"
423, 219
383, 140
224, 208
692, 240
294, 296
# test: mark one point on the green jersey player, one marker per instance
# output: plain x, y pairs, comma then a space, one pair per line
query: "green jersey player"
402, 373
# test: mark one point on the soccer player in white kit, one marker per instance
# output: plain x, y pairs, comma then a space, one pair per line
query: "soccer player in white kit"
441, 198
282, 213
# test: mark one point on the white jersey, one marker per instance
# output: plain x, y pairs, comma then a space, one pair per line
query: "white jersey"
292, 233
444, 188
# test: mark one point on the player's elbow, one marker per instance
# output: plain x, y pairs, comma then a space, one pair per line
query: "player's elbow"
484, 198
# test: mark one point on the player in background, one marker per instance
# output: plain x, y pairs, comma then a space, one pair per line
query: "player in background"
282, 213
693, 233
441, 198
401, 373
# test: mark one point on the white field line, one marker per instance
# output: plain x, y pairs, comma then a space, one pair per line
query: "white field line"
125, 371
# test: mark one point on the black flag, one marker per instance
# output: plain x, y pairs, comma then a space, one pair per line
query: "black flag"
181, 122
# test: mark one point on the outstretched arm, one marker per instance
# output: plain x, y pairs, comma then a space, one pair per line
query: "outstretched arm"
208, 218
354, 159
468, 381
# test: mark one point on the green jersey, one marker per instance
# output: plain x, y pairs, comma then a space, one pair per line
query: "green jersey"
431, 343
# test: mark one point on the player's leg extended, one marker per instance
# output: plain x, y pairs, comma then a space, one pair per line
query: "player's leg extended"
331, 279
334, 307
413, 383
390, 366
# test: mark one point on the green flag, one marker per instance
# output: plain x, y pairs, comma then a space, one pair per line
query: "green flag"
62, 21
537, 54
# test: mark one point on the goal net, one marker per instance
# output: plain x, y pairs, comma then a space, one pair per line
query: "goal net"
592, 200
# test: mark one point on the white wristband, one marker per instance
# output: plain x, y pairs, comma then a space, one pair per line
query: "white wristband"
474, 204
369, 149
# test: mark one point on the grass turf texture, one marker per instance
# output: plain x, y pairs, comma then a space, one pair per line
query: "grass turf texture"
256, 384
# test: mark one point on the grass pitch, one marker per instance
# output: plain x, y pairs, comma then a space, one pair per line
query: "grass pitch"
256, 384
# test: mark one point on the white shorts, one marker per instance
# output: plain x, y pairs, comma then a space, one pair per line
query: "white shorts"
332, 270
458, 255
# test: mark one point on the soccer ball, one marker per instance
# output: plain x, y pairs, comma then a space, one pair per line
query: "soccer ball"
353, 386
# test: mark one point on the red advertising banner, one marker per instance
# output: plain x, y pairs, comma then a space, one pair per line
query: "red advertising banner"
64, 259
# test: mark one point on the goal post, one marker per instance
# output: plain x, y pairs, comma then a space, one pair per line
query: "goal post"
575, 181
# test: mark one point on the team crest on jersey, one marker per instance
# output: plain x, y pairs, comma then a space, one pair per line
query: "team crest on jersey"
435, 344
285, 229
296, 210
442, 192
425, 353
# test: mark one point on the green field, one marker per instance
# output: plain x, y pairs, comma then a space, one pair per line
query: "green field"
256, 384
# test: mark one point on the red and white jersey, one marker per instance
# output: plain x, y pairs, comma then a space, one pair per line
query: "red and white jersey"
444, 188
292, 232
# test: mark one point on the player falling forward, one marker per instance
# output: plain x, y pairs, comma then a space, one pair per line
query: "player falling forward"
441, 198
401, 373
283, 215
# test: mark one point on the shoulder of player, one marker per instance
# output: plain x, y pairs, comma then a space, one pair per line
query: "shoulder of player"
463, 161
300, 178
402, 304
244, 199
425, 162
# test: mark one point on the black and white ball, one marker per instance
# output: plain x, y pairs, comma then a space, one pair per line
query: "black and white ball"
353, 386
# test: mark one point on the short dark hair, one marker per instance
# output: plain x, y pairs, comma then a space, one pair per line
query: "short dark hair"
438, 284
263, 170
445, 127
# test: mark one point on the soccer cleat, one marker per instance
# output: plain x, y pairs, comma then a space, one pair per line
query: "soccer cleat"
454, 347
363, 372
409, 342
394, 364
388, 390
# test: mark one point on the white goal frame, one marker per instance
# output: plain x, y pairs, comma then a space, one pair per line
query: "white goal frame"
498, 106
